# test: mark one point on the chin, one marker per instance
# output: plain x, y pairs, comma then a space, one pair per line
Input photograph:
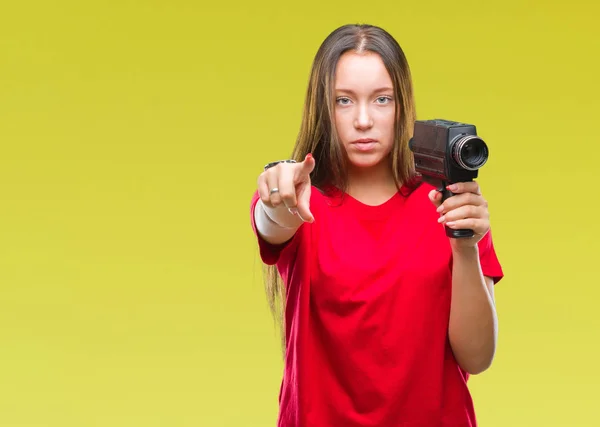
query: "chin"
365, 161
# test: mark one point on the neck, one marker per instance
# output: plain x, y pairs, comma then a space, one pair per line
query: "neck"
372, 186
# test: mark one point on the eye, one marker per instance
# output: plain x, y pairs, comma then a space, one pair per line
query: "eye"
342, 100
384, 99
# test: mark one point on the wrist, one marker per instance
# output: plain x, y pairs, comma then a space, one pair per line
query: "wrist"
465, 252
280, 216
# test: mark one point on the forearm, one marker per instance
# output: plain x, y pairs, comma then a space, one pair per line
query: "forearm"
275, 225
473, 322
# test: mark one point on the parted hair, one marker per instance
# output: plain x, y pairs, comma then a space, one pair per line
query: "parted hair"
318, 135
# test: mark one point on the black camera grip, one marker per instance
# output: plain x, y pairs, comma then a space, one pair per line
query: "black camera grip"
450, 232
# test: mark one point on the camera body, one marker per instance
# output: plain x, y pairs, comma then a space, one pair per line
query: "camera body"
446, 152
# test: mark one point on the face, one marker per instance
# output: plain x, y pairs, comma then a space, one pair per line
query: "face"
364, 109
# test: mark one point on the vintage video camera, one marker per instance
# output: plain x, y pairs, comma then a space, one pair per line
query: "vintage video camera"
446, 152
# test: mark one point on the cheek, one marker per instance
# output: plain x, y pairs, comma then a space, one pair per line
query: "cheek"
343, 125
388, 127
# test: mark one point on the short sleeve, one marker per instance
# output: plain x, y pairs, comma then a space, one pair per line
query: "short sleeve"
490, 265
270, 254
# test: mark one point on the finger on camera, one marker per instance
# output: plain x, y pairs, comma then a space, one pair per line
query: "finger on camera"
465, 187
460, 200
435, 197
463, 212
478, 226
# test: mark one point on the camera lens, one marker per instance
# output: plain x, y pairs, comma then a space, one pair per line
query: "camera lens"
470, 152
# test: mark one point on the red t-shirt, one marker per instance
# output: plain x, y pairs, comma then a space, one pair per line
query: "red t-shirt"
367, 310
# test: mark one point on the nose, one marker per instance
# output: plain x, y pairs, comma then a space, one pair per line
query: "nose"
363, 119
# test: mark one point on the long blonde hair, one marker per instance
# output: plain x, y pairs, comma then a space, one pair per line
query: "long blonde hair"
317, 133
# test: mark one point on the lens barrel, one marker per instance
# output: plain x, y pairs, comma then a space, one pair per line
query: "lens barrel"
470, 152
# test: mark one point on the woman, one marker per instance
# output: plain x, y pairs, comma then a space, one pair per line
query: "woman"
384, 317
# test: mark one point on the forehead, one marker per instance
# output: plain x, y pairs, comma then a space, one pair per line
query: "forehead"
361, 71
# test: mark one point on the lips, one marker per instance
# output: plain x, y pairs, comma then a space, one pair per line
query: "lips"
364, 141
364, 144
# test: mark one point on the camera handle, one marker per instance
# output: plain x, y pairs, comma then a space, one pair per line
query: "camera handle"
456, 234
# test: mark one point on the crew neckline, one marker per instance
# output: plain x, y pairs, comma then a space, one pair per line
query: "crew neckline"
340, 199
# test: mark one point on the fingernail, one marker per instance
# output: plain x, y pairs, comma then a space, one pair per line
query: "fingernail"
452, 187
441, 219
309, 156
293, 211
440, 208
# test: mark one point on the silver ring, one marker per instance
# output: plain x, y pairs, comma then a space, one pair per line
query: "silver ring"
274, 190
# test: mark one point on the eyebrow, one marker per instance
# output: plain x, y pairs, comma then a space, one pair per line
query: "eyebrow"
381, 89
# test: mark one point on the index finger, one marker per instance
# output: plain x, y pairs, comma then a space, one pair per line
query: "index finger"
465, 187
305, 168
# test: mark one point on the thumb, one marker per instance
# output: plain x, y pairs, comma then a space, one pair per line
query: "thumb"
435, 197
305, 168
303, 198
